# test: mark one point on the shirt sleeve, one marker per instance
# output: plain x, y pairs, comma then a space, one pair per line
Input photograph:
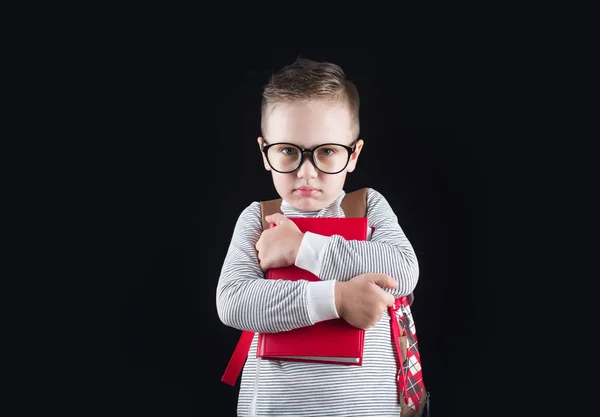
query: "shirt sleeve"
388, 251
247, 301
321, 301
311, 251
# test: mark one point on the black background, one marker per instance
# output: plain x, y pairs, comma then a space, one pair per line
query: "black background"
187, 164
164, 120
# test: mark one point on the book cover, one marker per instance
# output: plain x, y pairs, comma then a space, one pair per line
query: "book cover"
331, 341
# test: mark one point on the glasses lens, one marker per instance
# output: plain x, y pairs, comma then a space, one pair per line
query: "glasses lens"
284, 157
331, 158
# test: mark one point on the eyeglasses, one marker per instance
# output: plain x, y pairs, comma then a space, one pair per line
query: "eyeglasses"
329, 158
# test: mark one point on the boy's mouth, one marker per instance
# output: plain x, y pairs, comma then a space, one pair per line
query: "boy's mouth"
306, 191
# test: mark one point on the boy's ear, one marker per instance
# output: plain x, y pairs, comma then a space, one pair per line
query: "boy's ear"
355, 155
260, 141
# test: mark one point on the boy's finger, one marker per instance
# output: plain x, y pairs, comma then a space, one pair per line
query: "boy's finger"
390, 300
391, 282
276, 218
385, 281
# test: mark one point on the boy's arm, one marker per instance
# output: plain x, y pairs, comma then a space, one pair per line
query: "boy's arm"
247, 301
388, 252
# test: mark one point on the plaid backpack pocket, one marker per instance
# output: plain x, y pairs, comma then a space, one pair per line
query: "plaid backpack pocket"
412, 394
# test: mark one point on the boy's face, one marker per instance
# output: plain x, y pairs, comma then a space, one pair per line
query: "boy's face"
309, 124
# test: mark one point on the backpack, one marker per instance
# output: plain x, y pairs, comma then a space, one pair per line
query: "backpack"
409, 376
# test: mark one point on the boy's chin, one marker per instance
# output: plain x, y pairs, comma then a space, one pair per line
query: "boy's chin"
307, 203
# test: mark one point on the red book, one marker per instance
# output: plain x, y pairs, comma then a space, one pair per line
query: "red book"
332, 341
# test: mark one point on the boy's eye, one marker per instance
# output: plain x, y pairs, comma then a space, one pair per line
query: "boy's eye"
326, 151
289, 151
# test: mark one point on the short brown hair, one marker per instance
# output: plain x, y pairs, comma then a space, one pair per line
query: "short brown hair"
305, 79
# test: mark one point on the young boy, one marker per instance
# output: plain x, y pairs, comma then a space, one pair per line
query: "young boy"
306, 105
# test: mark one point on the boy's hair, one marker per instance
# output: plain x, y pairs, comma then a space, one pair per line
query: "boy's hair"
307, 80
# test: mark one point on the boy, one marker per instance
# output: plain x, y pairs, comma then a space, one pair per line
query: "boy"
306, 105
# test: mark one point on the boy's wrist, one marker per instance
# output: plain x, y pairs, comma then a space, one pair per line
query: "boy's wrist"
296, 249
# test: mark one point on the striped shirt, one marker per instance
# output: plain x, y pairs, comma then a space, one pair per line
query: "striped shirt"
247, 301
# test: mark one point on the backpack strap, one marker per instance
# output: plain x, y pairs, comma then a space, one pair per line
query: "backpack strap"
354, 203
269, 207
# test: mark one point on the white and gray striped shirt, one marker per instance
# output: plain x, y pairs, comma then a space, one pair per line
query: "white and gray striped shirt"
247, 301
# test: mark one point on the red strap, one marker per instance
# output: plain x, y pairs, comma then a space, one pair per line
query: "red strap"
236, 363
401, 377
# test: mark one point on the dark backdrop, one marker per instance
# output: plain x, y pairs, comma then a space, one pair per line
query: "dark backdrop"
134, 151
162, 161
178, 135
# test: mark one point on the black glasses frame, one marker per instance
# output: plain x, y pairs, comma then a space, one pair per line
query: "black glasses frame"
350, 149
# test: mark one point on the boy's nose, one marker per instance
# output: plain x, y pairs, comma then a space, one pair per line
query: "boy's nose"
307, 169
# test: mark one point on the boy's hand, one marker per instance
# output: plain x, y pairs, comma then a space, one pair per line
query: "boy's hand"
278, 246
362, 300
